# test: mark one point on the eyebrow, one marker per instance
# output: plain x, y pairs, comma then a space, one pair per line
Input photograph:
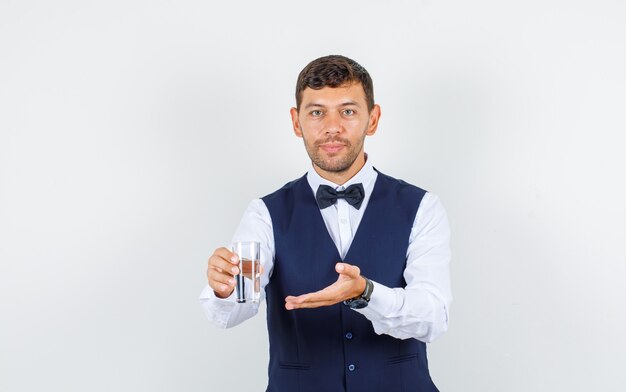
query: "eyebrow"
319, 105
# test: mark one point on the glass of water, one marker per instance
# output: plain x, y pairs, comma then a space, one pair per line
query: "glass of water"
249, 277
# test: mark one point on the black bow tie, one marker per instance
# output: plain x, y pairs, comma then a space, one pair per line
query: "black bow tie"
326, 196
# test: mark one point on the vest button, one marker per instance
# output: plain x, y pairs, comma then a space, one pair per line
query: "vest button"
351, 367
349, 335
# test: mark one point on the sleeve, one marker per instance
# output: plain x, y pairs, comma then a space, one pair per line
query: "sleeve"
255, 225
420, 310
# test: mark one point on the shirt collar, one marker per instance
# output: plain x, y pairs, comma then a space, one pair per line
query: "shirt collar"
364, 176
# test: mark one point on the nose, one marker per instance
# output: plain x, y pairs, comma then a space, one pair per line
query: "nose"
332, 125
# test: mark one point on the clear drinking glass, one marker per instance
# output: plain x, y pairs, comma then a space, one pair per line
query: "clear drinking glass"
249, 277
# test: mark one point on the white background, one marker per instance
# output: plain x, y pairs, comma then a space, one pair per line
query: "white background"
134, 133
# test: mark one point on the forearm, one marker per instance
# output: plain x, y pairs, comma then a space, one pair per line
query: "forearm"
226, 313
407, 313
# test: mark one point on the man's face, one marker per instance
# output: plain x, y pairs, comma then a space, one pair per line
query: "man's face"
333, 123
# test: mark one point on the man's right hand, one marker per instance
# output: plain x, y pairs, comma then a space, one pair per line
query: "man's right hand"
223, 266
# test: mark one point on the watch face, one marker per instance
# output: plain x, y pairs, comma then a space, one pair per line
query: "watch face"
359, 303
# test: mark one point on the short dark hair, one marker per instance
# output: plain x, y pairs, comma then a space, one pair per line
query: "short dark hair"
334, 71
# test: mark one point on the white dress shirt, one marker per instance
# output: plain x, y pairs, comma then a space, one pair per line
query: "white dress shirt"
419, 310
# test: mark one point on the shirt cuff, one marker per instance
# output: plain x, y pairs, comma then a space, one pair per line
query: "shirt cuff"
217, 310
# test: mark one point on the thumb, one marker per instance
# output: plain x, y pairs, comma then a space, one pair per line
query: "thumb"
346, 269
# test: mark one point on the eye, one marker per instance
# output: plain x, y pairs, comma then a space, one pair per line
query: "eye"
348, 112
316, 113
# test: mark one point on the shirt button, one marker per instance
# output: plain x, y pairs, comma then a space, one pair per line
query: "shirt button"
351, 367
349, 335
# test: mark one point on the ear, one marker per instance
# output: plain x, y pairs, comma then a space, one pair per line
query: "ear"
373, 122
295, 121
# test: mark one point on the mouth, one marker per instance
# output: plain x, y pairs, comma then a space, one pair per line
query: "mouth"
332, 147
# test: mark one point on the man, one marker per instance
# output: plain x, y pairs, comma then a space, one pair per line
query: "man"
355, 263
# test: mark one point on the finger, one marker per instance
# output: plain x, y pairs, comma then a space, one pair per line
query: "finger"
312, 300
315, 296
328, 295
308, 305
300, 302
227, 255
223, 293
224, 288
219, 280
347, 269
221, 290
293, 302
222, 265
299, 299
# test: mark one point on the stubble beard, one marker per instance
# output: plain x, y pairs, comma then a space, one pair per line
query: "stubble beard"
337, 163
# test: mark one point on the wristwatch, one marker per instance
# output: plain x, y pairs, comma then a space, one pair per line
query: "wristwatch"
362, 300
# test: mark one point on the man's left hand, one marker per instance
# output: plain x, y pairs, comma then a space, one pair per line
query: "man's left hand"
349, 284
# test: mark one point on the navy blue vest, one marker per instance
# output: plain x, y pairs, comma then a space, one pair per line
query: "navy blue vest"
334, 348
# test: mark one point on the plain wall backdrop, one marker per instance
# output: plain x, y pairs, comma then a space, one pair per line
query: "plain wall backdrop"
133, 134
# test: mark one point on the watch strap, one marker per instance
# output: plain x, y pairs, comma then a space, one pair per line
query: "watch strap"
369, 288
362, 300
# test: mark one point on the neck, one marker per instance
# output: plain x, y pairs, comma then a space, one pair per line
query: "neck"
344, 176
